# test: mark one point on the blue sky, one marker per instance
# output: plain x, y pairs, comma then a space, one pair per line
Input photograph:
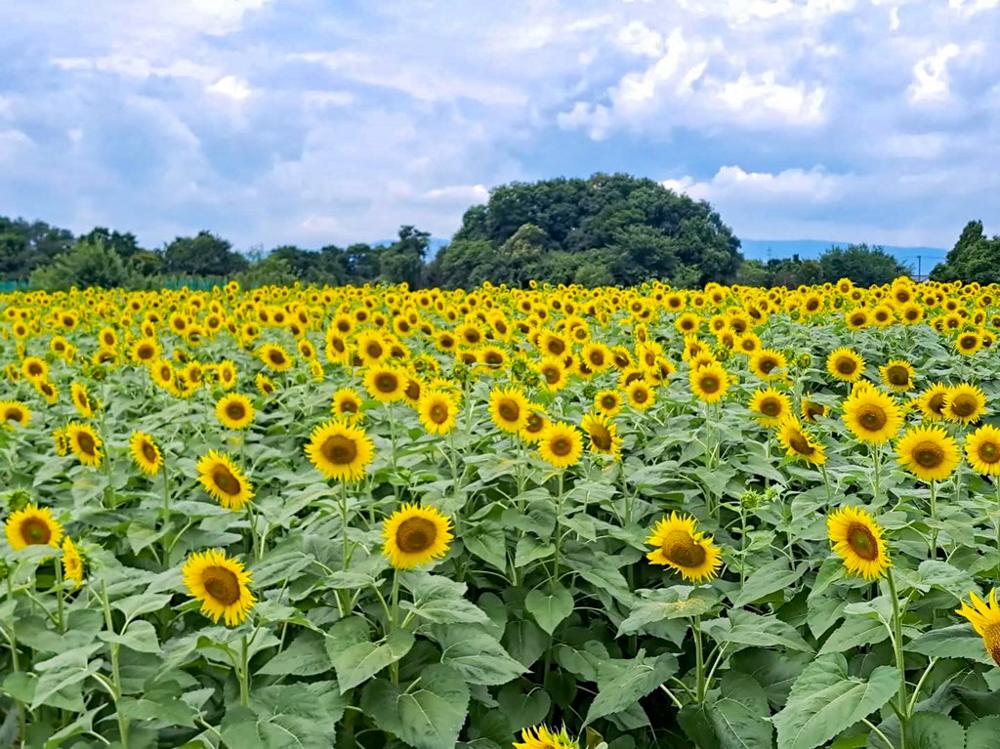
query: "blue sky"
312, 122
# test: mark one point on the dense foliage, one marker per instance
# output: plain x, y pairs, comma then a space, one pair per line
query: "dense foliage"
612, 229
864, 265
975, 257
568, 518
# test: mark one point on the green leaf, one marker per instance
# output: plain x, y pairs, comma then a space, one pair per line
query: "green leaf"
983, 734
956, 641
427, 714
476, 655
668, 603
747, 628
143, 603
355, 658
306, 656
740, 715
855, 631
934, 731
551, 607
621, 683
826, 700
948, 578
525, 640
287, 716
488, 541
441, 600
770, 578
139, 636
63, 670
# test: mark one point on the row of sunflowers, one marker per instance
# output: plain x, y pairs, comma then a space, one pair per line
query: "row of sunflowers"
542, 518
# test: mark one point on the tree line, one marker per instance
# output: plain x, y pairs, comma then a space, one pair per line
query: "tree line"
604, 230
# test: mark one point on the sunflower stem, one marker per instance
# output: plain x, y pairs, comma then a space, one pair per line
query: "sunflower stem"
244, 675
934, 533
897, 645
116, 680
826, 482
60, 614
15, 662
395, 618
166, 492
558, 540
699, 658
345, 551
996, 484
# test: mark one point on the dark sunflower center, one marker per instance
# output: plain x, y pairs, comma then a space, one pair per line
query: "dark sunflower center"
872, 417
898, 375
812, 304
928, 454
963, 405
472, 336
34, 369
770, 407
145, 352
35, 531
597, 358
800, 444
339, 449
438, 413
86, 443
373, 350
13, 414
509, 410
415, 535
681, 549
386, 383
936, 403
556, 347
222, 585
639, 395
709, 383
989, 452
608, 402
813, 410
858, 320
493, 359
149, 452
846, 366
277, 358
766, 365
862, 542
600, 436
226, 481
551, 375
236, 410
968, 341
561, 446
413, 390
348, 407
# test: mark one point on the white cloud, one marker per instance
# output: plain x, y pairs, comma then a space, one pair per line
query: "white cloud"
930, 75
637, 38
970, 7
230, 86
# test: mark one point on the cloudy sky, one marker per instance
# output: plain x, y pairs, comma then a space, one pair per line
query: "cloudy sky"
313, 122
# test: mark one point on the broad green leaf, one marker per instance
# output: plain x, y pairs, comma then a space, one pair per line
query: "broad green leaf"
770, 578
826, 700
286, 716
934, 731
488, 541
355, 658
140, 636
143, 603
854, 632
746, 628
668, 603
983, 734
740, 714
525, 640
306, 656
549, 606
956, 641
441, 600
427, 714
621, 683
948, 578
476, 655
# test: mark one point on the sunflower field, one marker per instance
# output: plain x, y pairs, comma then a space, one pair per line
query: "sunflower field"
731, 518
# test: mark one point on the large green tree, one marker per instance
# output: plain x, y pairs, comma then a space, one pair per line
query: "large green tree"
203, 255
26, 245
975, 257
608, 229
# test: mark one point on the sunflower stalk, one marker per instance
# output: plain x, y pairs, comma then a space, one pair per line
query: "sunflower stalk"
116, 680
699, 657
902, 704
933, 508
394, 671
60, 613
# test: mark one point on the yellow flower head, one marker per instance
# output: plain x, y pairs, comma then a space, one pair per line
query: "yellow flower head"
929, 453
224, 481
982, 450
32, 526
221, 584
145, 453
985, 619
603, 434
508, 409
964, 404
234, 411
339, 450
872, 416
797, 442
845, 365
771, 406
857, 538
438, 411
560, 445
415, 535
680, 546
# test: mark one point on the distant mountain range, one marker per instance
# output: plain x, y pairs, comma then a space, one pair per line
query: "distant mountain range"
763, 249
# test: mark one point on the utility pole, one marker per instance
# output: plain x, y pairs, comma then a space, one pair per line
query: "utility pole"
919, 274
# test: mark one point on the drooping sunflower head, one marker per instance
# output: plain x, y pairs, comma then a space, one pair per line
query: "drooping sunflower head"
603, 434
72, 561
81, 399
872, 416
982, 450
810, 409
85, 444
224, 481
770, 405
438, 411
845, 365
680, 546
415, 535
985, 619
145, 453
768, 364
275, 357
931, 402
234, 411
858, 540
929, 453
14, 413
265, 385
898, 375
798, 443
560, 445
339, 450
709, 383
32, 526
221, 583
964, 404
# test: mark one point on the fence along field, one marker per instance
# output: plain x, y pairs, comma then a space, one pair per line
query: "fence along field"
541, 518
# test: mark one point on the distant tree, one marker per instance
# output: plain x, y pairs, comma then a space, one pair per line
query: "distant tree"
126, 245
403, 260
88, 264
973, 258
203, 255
266, 270
753, 273
147, 263
866, 266
26, 245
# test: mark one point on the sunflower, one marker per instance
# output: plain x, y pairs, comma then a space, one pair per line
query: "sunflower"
709, 383
415, 535
845, 365
81, 399
437, 411
929, 453
265, 385
982, 450
608, 402
798, 444
598, 356
985, 619
34, 368
857, 538
640, 394
16, 412
768, 364
560, 445
224, 481
226, 374
85, 444
145, 453
385, 383
810, 409
371, 347
540, 737
60, 440
603, 434
72, 562
535, 425
680, 546
857, 319
275, 357
872, 416
340, 451
771, 406
508, 409
897, 375
145, 351
347, 404
47, 390
931, 402
32, 526
221, 584
162, 373
968, 343
234, 411
553, 372
964, 404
